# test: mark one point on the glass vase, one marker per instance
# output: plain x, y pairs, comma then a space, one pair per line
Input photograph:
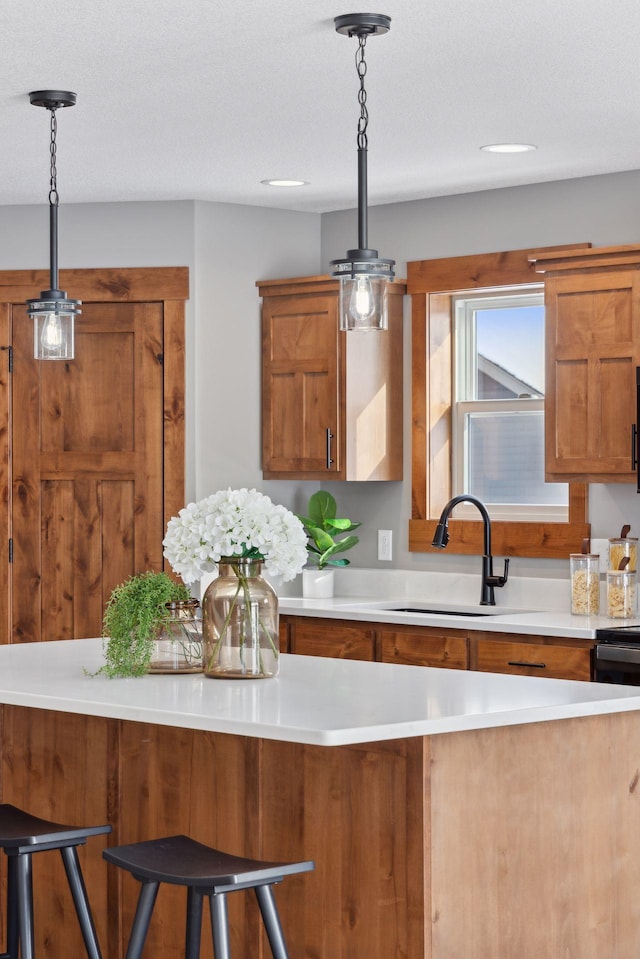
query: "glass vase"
240, 622
177, 648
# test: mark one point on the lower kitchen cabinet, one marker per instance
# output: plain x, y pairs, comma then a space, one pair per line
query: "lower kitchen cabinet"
326, 637
533, 659
490, 652
425, 647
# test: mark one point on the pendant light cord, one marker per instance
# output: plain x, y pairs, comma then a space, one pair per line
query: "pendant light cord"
53, 182
361, 69
363, 121
53, 205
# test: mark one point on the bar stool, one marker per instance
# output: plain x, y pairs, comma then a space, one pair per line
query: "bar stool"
205, 872
20, 836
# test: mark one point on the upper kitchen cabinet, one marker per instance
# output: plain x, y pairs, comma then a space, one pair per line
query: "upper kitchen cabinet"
592, 322
331, 401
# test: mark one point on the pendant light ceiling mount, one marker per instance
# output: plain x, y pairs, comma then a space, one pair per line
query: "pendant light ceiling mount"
53, 99
363, 274
362, 24
53, 313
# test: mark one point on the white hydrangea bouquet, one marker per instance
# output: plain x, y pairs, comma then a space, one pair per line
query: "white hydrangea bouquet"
230, 522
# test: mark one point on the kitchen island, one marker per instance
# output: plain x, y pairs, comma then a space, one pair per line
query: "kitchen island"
450, 815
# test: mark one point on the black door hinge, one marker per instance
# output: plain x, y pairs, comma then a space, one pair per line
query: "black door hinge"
10, 550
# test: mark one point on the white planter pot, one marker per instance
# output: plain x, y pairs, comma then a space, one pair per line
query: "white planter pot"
317, 583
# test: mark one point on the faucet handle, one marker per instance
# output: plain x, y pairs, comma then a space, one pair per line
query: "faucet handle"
500, 580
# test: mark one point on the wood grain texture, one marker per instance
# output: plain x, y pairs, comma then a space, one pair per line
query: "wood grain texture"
540, 540
97, 448
5, 468
535, 847
100, 285
312, 637
62, 767
454, 273
531, 659
508, 842
592, 351
416, 647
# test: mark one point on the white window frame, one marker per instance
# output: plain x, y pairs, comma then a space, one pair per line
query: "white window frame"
465, 368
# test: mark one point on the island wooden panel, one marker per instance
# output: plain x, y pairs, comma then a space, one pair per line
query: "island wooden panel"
508, 842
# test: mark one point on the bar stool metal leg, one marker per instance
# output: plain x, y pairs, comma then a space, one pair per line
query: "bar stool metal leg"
271, 919
80, 900
194, 923
220, 925
24, 892
12, 911
146, 902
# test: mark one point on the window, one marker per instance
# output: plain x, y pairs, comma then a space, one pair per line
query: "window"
440, 418
498, 405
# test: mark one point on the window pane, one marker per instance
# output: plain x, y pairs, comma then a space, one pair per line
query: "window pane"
510, 351
506, 457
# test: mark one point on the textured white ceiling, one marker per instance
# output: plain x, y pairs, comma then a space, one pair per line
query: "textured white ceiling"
203, 99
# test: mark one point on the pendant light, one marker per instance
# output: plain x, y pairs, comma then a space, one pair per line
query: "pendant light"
363, 275
53, 314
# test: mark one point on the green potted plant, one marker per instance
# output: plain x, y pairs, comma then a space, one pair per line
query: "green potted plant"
322, 527
135, 612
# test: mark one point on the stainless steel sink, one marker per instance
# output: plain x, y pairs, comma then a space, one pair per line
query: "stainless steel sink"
435, 609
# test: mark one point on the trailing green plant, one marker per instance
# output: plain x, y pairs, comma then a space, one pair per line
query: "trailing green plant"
134, 612
322, 526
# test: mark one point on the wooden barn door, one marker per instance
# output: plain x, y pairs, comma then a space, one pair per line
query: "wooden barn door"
96, 454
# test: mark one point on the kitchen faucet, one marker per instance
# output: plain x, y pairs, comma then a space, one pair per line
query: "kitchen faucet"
441, 538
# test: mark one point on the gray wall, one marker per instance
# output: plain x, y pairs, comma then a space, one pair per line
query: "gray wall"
603, 210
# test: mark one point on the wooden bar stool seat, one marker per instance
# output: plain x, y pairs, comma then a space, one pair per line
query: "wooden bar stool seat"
21, 835
205, 871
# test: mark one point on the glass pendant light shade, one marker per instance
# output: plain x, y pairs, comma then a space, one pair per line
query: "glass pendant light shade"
53, 326
363, 303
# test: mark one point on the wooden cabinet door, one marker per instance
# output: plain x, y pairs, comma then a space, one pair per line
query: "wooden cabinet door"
533, 659
326, 637
300, 383
593, 347
425, 647
87, 461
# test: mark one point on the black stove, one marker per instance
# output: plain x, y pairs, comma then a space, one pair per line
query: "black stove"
616, 658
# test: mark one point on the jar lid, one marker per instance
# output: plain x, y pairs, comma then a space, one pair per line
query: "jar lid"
623, 539
183, 604
584, 555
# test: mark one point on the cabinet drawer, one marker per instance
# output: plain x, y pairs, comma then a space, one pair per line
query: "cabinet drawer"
418, 649
533, 659
324, 638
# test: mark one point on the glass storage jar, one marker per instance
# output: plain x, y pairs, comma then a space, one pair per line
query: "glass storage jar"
621, 546
585, 584
177, 648
621, 593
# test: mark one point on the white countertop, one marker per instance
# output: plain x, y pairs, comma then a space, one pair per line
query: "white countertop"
531, 622
328, 702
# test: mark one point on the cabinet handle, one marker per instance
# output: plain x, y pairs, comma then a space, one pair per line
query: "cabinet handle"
329, 438
515, 662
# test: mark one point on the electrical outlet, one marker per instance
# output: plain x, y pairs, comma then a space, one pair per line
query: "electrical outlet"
385, 544
601, 546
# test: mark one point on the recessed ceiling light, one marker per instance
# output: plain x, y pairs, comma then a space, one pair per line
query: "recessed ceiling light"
285, 182
509, 147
